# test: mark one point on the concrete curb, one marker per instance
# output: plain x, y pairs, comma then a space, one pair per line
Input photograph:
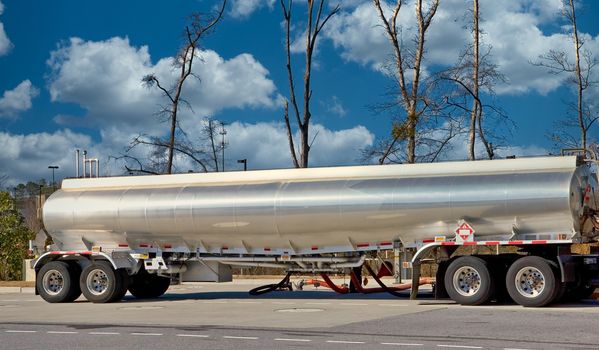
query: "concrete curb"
25, 290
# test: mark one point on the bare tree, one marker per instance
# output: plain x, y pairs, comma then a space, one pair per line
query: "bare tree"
202, 152
472, 74
200, 25
580, 74
410, 94
314, 25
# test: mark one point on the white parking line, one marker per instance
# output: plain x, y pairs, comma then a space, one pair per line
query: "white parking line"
234, 337
402, 344
145, 333
293, 340
459, 346
17, 331
193, 335
345, 342
103, 333
61, 332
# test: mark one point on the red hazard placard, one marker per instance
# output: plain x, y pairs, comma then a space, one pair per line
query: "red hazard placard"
464, 232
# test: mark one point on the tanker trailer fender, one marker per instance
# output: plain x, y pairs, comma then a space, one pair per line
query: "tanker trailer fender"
125, 261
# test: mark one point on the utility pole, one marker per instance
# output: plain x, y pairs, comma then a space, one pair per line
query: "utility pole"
53, 167
245, 163
223, 132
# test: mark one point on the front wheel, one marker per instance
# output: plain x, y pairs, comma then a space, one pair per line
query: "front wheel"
468, 281
57, 282
531, 281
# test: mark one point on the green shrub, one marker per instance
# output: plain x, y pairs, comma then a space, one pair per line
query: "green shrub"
14, 237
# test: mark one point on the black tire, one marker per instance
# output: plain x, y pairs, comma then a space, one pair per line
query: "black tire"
99, 282
57, 282
145, 285
528, 270
468, 281
123, 284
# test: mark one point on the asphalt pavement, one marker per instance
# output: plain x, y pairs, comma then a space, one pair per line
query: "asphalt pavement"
225, 316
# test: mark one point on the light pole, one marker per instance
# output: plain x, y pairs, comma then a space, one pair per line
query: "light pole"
53, 167
245, 163
223, 132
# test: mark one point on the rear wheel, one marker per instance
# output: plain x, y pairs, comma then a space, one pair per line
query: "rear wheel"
100, 283
145, 285
531, 281
468, 281
57, 282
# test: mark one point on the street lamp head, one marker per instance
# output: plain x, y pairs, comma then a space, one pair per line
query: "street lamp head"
52, 166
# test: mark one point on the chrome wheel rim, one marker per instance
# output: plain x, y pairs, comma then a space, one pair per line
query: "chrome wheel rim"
53, 282
466, 281
97, 282
530, 282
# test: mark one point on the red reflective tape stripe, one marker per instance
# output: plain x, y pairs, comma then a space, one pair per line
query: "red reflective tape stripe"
362, 245
314, 248
428, 240
386, 243
470, 243
225, 248
168, 246
143, 245
539, 241
55, 252
267, 249
123, 245
447, 243
492, 243
515, 242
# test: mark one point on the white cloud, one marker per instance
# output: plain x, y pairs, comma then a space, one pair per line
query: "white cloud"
335, 106
245, 8
18, 99
513, 28
26, 157
5, 44
263, 144
104, 78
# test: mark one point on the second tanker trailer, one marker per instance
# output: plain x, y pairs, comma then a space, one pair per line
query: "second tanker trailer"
117, 233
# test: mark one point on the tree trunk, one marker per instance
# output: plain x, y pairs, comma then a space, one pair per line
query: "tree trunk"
579, 81
475, 65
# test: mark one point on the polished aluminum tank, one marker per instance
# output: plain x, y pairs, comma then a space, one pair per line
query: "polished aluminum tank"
307, 211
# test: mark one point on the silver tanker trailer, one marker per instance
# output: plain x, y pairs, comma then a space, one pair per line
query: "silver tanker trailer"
115, 234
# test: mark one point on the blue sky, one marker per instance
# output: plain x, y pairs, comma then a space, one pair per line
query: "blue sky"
60, 93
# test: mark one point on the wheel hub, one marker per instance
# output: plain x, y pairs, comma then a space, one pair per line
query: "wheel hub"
530, 282
97, 282
466, 281
53, 282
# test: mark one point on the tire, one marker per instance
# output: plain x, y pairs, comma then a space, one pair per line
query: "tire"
531, 281
57, 282
468, 281
145, 285
100, 283
122, 285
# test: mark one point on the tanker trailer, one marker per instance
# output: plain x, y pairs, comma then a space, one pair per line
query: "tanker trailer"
115, 234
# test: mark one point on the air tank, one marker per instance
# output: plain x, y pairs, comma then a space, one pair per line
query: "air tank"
316, 210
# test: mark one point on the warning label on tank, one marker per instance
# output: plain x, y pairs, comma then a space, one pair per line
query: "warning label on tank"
464, 232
